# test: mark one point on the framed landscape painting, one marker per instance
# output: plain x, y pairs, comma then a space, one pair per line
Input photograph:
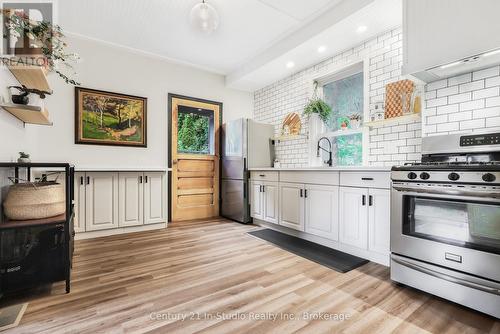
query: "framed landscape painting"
104, 118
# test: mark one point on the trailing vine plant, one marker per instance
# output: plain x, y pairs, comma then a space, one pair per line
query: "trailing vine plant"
48, 37
317, 106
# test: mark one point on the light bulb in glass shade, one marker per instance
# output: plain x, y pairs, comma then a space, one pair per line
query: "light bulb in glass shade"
204, 17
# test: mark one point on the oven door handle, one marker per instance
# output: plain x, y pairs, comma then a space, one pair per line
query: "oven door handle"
445, 191
446, 277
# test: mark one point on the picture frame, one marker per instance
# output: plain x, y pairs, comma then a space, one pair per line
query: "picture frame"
107, 118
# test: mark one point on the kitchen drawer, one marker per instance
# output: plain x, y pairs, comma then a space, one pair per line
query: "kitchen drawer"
264, 176
312, 177
366, 179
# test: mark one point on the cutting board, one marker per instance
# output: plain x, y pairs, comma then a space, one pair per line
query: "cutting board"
394, 97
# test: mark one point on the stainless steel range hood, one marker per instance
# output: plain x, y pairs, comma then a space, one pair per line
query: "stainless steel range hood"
469, 64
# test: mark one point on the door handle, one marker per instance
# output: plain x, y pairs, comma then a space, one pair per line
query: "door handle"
146, 177
263, 189
140, 179
81, 180
244, 190
301, 192
88, 179
305, 193
370, 200
363, 200
367, 178
174, 162
262, 175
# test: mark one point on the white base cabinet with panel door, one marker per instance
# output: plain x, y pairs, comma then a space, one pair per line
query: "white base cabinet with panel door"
264, 201
322, 211
379, 220
154, 198
101, 201
354, 217
108, 203
130, 199
291, 212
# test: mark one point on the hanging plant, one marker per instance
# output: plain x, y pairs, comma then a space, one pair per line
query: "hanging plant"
45, 35
317, 106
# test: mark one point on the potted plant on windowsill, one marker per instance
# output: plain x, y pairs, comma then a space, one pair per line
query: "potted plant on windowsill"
48, 38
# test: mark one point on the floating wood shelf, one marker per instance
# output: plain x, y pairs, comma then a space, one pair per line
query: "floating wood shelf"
28, 114
288, 137
343, 132
387, 121
31, 77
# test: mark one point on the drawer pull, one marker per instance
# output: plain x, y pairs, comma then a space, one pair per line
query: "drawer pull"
367, 178
262, 175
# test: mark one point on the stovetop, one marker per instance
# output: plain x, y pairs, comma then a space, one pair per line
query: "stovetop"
450, 166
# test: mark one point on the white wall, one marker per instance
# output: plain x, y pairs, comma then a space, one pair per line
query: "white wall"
118, 70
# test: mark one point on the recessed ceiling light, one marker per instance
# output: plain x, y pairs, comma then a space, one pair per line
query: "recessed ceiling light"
322, 49
290, 64
451, 64
361, 29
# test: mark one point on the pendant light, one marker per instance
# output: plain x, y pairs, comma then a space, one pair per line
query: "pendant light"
204, 17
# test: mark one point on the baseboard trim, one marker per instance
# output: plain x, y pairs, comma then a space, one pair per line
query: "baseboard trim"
122, 230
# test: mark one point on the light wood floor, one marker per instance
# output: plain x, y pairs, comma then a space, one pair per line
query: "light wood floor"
210, 269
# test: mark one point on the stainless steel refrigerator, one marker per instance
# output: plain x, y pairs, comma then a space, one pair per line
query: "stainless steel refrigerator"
245, 144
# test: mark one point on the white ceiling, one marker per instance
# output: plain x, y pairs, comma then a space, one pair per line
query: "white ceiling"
251, 35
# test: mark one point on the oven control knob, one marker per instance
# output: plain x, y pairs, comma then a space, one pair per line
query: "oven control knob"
453, 177
488, 177
424, 176
412, 176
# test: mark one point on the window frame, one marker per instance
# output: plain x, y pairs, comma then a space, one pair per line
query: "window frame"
336, 73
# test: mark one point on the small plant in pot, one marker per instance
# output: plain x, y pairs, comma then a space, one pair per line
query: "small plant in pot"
23, 157
355, 121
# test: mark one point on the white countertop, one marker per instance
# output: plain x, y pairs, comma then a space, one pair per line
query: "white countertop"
120, 169
326, 169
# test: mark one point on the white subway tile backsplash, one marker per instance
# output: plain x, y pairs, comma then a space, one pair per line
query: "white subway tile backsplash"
459, 104
484, 93
447, 91
486, 73
437, 85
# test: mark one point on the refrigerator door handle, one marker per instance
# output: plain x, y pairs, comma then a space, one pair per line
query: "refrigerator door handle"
244, 190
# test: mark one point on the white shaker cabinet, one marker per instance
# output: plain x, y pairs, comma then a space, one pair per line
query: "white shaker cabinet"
256, 207
154, 198
322, 211
270, 201
101, 201
130, 199
354, 216
264, 201
379, 218
292, 205
79, 202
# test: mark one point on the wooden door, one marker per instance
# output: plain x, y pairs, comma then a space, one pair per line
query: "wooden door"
379, 220
270, 202
101, 201
154, 195
354, 216
79, 221
322, 211
256, 207
195, 158
292, 205
131, 193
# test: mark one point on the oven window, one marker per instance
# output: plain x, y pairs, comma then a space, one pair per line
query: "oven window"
466, 224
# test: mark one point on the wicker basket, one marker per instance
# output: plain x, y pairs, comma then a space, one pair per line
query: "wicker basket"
35, 201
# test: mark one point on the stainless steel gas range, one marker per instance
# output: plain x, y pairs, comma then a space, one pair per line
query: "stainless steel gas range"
445, 220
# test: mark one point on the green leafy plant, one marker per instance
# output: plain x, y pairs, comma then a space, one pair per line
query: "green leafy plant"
23, 155
48, 37
318, 106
